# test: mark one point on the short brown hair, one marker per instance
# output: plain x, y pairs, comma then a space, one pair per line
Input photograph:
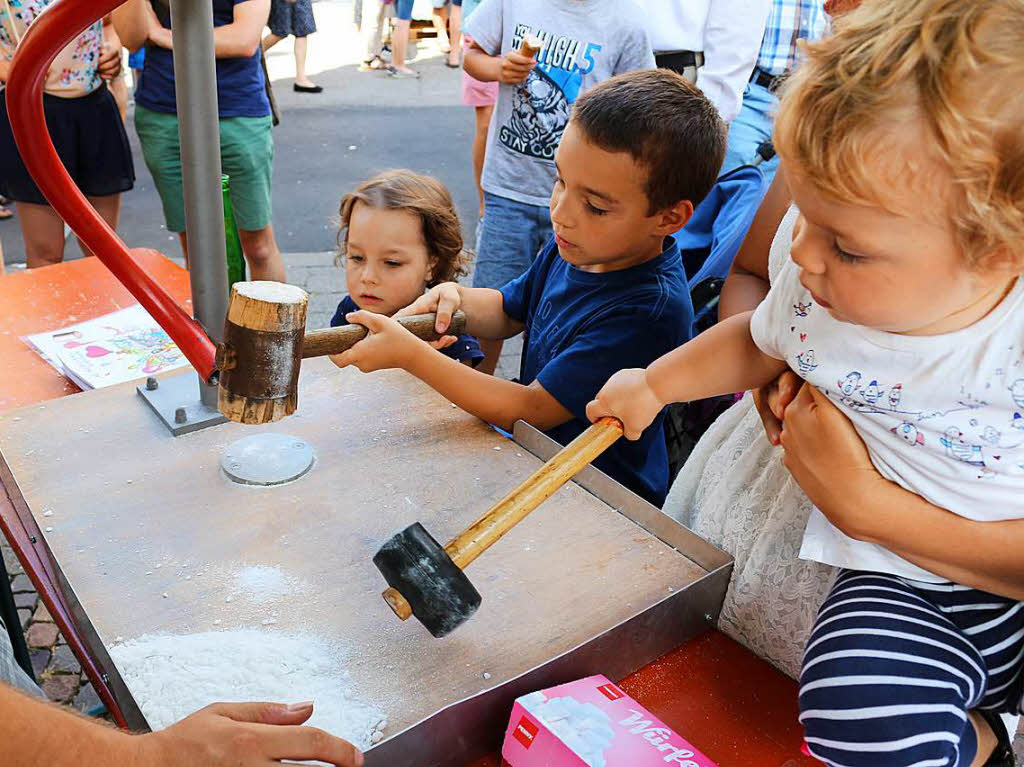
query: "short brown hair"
952, 69
424, 197
665, 124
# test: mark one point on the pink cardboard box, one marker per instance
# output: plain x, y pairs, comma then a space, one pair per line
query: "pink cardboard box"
592, 723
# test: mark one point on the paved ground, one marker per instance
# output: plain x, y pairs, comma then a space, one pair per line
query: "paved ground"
363, 122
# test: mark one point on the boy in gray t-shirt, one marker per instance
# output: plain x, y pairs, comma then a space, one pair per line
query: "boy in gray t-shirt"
583, 42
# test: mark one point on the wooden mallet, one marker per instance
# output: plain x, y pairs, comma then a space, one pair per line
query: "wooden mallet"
428, 581
265, 342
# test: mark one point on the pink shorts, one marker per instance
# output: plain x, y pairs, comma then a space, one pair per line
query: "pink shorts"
476, 93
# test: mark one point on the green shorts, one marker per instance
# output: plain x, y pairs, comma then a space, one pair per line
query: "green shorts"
246, 156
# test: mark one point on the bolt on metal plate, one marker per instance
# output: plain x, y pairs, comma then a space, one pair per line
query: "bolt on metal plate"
267, 459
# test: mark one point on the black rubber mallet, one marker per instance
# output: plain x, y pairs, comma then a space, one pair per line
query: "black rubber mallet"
427, 580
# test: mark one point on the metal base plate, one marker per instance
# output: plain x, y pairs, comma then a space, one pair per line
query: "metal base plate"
175, 399
267, 459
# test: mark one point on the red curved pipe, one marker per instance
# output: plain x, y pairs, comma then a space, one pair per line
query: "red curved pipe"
49, 33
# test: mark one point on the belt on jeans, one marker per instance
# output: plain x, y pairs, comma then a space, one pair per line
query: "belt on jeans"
765, 80
678, 60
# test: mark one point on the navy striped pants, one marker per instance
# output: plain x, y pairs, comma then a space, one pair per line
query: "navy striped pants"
893, 666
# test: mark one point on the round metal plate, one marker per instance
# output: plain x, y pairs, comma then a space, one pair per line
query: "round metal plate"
267, 459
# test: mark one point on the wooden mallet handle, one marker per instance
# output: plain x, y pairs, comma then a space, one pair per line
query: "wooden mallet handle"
317, 343
534, 490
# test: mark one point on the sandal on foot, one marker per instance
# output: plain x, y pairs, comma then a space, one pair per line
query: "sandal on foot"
398, 74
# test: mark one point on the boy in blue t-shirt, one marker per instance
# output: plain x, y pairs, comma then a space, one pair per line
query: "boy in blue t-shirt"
607, 292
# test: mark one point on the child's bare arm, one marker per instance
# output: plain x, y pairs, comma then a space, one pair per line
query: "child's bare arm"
511, 68
493, 399
721, 360
488, 397
484, 309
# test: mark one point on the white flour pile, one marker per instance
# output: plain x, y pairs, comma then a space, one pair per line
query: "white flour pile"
265, 584
174, 676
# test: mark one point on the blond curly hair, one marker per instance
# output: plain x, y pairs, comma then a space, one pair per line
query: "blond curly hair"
424, 197
951, 73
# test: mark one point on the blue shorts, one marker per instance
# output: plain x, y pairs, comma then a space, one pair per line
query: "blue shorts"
403, 9
511, 234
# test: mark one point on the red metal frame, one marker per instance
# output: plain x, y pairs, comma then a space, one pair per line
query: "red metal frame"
49, 33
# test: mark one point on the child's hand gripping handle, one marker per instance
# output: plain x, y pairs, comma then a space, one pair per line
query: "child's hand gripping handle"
534, 490
318, 343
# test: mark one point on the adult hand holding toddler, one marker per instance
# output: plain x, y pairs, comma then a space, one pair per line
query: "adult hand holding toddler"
772, 400
829, 460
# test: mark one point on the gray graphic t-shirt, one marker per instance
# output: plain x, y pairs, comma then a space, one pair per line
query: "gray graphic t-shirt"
584, 42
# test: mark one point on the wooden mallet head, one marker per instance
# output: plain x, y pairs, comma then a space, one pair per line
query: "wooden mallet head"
265, 342
262, 351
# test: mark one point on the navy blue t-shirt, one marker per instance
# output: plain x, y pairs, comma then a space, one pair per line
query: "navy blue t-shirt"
240, 87
465, 349
582, 327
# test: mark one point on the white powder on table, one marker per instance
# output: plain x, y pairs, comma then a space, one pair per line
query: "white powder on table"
171, 677
265, 584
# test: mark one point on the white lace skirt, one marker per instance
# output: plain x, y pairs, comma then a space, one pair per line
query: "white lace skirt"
735, 492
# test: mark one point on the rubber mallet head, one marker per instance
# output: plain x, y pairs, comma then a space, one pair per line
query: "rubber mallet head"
425, 581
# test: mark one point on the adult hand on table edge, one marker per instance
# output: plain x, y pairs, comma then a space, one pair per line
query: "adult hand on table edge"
243, 735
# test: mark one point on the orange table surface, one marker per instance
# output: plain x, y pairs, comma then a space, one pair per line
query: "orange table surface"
733, 706
51, 297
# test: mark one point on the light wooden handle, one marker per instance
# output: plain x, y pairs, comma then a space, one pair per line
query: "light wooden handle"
536, 489
317, 343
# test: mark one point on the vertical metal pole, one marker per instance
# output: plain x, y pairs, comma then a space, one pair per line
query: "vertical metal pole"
195, 79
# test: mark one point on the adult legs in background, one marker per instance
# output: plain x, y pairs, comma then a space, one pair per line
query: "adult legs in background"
511, 233
372, 28
455, 33
261, 253
43, 232
400, 39
109, 208
752, 126
440, 19
43, 229
483, 122
895, 671
301, 49
293, 17
400, 46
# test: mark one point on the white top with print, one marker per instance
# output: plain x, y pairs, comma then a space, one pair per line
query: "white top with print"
942, 415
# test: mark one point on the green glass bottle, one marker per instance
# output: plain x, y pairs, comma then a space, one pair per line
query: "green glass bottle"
236, 259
